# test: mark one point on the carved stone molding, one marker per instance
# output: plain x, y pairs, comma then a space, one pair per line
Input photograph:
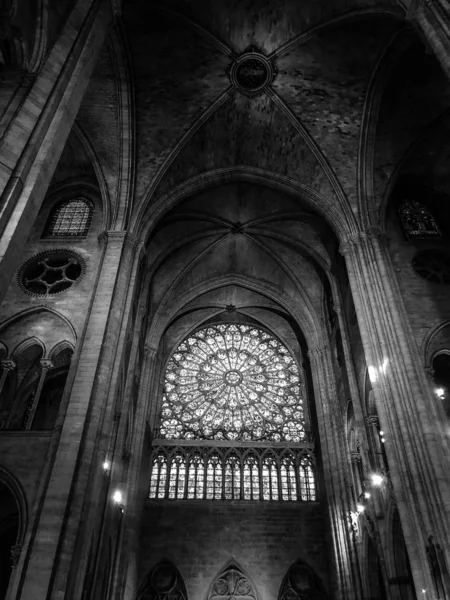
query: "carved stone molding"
8, 365
372, 420
15, 554
46, 363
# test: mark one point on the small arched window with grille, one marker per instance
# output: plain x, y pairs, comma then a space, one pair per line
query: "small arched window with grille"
417, 221
71, 218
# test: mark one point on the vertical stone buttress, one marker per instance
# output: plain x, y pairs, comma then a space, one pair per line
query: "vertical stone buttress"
47, 565
335, 476
433, 17
34, 140
414, 442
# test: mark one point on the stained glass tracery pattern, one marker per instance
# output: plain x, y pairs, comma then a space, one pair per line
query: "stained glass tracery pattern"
71, 218
417, 221
241, 474
232, 382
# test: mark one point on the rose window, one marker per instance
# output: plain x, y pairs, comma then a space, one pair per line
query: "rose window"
51, 272
232, 382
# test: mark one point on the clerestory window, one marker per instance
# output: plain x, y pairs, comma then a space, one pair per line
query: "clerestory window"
417, 221
70, 218
232, 421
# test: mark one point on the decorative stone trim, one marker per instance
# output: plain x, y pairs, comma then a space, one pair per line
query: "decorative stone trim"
8, 365
252, 72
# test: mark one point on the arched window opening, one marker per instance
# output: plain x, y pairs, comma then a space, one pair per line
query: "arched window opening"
288, 480
228, 388
375, 581
31, 388
159, 476
70, 218
164, 582
307, 480
214, 478
402, 578
301, 582
9, 529
232, 477
441, 368
417, 221
251, 478
196, 477
270, 479
177, 476
51, 394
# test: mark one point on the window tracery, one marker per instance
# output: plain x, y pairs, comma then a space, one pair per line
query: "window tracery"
232, 423
70, 218
417, 221
232, 382
193, 472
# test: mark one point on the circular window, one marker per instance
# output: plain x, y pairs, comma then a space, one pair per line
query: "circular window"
252, 72
51, 272
432, 265
232, 382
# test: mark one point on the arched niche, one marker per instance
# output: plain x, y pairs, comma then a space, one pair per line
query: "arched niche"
12, 527
301, 583
232, 584
373, 574
400, 567
46, 325
163, 582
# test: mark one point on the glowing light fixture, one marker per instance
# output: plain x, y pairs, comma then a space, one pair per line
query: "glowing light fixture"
118, 497
373, 376
376, 479
106, 465
360, 508
439, 393
366, 495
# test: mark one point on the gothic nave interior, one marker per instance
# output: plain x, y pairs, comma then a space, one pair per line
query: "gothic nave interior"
224, 300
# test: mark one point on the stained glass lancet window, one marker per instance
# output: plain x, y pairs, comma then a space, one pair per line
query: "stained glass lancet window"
232, 382
417, 221
70, 218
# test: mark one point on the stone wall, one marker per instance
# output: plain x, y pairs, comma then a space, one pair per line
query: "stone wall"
201, 537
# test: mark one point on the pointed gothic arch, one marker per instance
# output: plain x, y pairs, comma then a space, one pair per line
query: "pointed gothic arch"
232, 583
163, 582
301, 583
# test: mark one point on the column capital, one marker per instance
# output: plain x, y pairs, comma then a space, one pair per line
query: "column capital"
350, 242
46, 363
15, 554
8, 365
372, 420
149, 352
114, 236
315, 353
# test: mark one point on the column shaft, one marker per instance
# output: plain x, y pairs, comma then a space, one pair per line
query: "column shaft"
34, 140
404, 404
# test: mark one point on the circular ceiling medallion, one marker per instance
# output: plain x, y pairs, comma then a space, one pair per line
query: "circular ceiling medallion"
252, 72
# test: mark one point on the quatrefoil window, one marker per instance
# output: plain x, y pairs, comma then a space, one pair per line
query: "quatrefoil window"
51, 272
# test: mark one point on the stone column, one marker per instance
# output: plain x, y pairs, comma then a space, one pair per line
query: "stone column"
137, 481
34, 140
433, 17
333, 449
7, 366
51, 565
414, 446
31, 410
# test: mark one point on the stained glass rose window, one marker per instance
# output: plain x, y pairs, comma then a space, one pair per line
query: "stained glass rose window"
232, 382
